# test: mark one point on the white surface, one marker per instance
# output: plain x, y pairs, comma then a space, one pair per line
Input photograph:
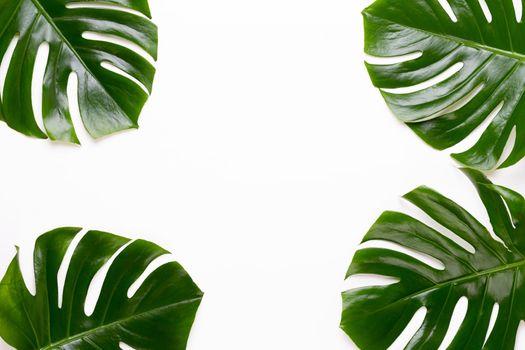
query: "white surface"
264, 155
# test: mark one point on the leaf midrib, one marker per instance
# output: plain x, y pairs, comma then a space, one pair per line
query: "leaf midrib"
459, 280
461, 41
51, 22
112, 324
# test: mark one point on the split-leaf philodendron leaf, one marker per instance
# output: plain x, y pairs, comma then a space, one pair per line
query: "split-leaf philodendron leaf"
159, 315
488, 48
375, 316
82, 38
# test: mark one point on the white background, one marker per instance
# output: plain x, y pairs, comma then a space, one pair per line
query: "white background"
263, 157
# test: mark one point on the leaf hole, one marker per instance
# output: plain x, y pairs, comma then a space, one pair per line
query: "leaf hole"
125, 346
102, 6
448, 9
410, 330
441, 77
462, 102
27, 268
74, 108
422, 257
492, 322
110, 67
37, 83
380, 61
474, 136
64, 265
6, 62
117, 40
486, 10
509, 213
368, 280
457, 318
509, 146
427, 220
518, 9
154, 265
95, 287
520, 336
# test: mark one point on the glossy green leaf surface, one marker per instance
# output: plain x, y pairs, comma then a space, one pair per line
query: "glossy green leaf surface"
159, 315
488, 48
375, 316
86, 38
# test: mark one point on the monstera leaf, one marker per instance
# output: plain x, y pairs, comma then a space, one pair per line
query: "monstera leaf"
375, 316
158, 315
486, 44
82, 39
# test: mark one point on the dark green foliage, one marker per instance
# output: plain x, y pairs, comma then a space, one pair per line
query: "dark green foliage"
108, 101
493, 73
495, 273
158, 316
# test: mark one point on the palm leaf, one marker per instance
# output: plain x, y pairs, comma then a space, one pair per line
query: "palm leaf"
375, 316
158, 316
490, 47
108, 100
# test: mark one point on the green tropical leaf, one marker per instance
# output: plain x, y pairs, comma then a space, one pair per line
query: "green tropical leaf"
109, 101
375, 316
159, 315
488, 44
